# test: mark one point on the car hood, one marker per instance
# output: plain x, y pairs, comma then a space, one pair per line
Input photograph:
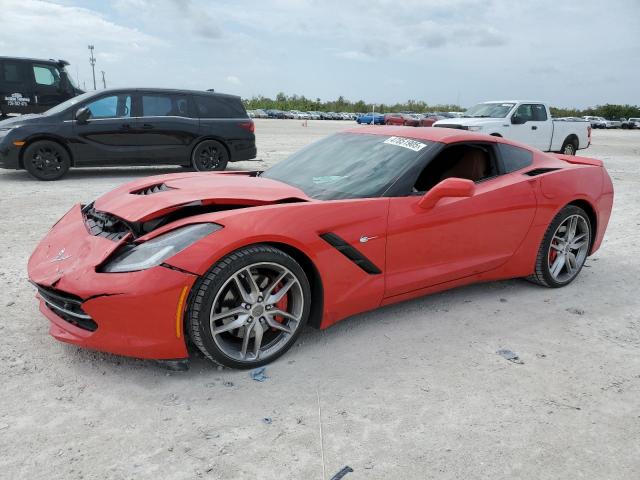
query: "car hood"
153, 197
13, 122
468, 122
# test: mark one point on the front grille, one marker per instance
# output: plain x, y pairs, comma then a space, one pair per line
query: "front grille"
102, 224
160, 187
68, 307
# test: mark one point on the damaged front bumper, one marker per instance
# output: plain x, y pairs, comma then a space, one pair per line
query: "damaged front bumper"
137, 314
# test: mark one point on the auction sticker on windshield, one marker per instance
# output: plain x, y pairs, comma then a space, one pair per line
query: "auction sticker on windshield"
406, 143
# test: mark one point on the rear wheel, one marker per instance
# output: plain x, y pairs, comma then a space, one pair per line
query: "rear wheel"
46, 160
569, 147
564, 248
209, 155
250, 307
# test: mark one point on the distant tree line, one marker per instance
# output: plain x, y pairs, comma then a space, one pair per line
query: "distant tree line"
300, 102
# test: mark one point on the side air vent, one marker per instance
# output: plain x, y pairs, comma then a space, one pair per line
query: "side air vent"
160, 187
452, 125
540, 171
351, 253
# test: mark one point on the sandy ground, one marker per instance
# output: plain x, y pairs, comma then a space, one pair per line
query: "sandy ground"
411, 391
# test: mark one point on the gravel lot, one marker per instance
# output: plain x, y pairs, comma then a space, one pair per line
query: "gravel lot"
411, 391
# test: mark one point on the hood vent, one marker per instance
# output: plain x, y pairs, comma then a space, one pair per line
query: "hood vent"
150, 190
539, 171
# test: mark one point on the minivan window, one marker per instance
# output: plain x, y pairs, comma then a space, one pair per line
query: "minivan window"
45, 75
113, 106
154, 105
212, 106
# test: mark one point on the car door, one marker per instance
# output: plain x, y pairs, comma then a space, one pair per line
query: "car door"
458, 237
167, 128
16, 88
48, 88
108, 137
532, 126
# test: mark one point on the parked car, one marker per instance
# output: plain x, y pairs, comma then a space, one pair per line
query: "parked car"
314, 115
259, 113
525, 121
300, 115
371, 118
596, 122
633, 123
425, 120
612, 123
400, 119
251, 113
326, 116
29, 85
130, 127
275, 114
239, 263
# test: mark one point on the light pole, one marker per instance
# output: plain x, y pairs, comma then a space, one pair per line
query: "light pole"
104, 82
92, 61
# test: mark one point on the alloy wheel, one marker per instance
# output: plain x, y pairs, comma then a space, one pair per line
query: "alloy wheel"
256, 311
569, 248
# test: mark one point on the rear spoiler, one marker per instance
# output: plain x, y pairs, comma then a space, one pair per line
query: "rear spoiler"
579, 160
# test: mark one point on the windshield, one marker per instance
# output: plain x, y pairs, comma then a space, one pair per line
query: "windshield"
489, 110
69, 103
347, 165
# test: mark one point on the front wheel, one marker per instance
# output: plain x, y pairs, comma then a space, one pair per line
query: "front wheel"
46, 160
209, 155
250, 307
564, 248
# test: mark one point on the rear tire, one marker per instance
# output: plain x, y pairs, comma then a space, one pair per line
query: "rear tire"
564, 249
569, 147
250, 307
209, 155
46, 160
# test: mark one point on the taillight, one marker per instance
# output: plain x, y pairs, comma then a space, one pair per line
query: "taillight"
248, 126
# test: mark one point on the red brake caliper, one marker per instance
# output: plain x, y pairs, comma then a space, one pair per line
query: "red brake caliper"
281, 305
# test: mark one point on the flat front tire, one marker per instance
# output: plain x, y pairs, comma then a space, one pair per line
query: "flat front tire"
250, 307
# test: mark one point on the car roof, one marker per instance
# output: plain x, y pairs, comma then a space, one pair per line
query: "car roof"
432, 134
51, 61
164, 90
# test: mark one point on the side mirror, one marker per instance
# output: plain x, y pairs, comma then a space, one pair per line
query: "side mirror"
82, 115
447, 188
516, 120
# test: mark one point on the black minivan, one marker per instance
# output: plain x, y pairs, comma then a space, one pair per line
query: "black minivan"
118, 127
29, 85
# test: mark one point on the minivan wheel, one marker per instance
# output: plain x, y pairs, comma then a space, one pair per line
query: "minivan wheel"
209, 155
46, 160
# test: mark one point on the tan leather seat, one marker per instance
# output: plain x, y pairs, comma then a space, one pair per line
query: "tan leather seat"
474, 165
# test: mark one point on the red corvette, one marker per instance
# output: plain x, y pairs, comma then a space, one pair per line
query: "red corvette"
241, 261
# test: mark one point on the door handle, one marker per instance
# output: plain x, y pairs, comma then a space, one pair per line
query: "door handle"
533, 127
147, 126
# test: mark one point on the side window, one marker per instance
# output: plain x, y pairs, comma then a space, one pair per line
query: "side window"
113, 106
45, 75
161, 105
213, 106
514, 158
539, 113
11, 72
524, 112
474, 162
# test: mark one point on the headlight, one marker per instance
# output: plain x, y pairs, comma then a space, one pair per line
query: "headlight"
155, 251
474, 129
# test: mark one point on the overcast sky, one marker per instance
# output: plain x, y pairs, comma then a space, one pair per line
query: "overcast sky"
570, 53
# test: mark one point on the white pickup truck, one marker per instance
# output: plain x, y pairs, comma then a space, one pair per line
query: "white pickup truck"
526, 122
